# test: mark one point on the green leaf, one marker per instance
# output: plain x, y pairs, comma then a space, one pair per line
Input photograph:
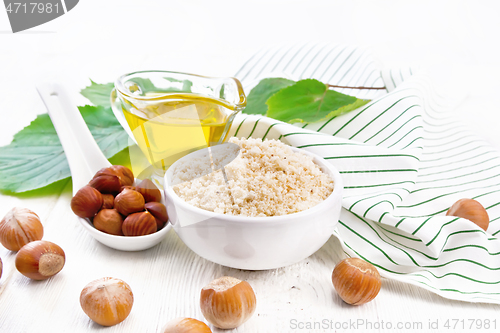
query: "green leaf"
98, 94
35, 157
347, 108
309, 101
256, 100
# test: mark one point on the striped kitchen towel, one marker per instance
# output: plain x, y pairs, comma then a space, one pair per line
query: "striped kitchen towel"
405, 160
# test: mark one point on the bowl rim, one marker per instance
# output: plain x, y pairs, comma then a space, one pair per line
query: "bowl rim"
335, 195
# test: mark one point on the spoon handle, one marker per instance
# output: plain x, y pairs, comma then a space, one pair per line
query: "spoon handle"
84, 156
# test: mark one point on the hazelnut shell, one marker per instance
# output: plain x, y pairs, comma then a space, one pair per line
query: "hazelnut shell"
105, 171
109, 221
130, 187
129, 201
125, 174
186, 325
159, 211
227, 302
356, 281
39, 260
86, 202
471, 210
149, 191
106, 184
108, 201
107, 301
19, 227
139, 224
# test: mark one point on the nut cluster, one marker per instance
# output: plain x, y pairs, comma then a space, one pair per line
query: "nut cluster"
117, 207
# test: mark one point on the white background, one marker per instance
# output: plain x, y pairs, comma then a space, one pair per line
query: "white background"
458, 41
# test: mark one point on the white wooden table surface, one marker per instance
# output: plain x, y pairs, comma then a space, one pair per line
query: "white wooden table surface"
101, 40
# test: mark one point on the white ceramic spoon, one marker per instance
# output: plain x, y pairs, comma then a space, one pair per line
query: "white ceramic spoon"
85, 159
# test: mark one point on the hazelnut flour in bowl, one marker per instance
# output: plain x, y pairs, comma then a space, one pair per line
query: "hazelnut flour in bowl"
253, 204
255, 178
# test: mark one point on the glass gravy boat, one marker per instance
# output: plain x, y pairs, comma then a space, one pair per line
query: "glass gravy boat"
170, 114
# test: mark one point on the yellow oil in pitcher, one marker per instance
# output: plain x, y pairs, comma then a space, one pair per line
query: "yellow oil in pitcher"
169, 129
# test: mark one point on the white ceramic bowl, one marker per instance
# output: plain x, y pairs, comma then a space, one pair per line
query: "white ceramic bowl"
256, 243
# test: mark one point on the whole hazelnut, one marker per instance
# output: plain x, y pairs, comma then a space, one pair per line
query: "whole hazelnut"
86, 202
139, 224
227, 302
125, 174
105, 171
356, 281
129, 201
186, 325
108, 201
159, 211
106, 184
471, 210
1, 267
107, 301
130, 187
109, 221
19, 227
40, 260
149, 191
